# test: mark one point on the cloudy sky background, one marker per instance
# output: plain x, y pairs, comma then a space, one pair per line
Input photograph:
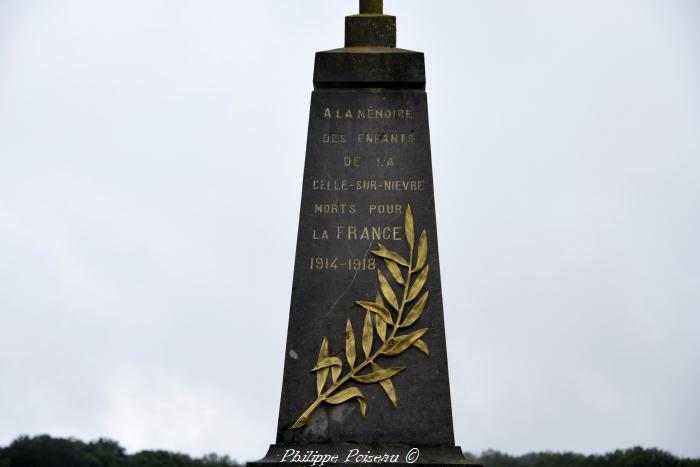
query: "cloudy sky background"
151, 157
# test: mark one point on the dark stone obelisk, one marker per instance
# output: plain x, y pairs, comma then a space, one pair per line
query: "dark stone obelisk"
365, 376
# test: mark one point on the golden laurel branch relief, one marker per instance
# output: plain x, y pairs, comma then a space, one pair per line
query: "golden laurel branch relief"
387, 321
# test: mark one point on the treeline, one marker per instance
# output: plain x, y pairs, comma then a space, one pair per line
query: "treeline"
45, 451
635, 457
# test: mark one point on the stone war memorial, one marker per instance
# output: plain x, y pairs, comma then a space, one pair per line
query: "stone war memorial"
365, 373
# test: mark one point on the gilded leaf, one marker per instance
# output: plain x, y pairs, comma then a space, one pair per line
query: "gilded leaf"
378, 299
327, 363
418, 284
402, 343
387, 290
382, 252
408, 227
322, 375
368, 335
377, 376
379, 323
380, 310
350, 344
422, 251
381, 328
422, 346
395, 271
416, 311
346, 395
363, 406
335, 372
299, 423
387, 385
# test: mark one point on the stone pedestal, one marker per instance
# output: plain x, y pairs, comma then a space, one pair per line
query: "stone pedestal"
365, 377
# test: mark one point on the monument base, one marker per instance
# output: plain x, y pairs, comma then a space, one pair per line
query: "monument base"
350, 454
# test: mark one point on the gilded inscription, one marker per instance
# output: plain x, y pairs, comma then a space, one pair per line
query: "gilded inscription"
359, 232
385, 114
334, 208
368, 114
334, 138
404, 185
375, 233
386, 138
351, 161
385, 162
338, 264
330, 185
385, 209
367, 185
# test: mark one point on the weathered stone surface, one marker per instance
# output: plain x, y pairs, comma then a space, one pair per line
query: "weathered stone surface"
379, 176
367, 161
375, 7
365, 67
370, 30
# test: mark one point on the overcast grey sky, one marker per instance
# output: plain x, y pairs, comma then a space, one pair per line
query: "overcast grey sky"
151, 156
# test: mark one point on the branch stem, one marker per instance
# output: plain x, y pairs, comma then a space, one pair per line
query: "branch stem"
301, 421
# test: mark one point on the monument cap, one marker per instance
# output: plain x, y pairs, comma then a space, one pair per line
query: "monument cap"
371, 28
370, 58
371, 7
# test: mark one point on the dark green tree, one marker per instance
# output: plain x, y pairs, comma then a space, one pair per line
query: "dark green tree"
635, 457
107, 453
44, 451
